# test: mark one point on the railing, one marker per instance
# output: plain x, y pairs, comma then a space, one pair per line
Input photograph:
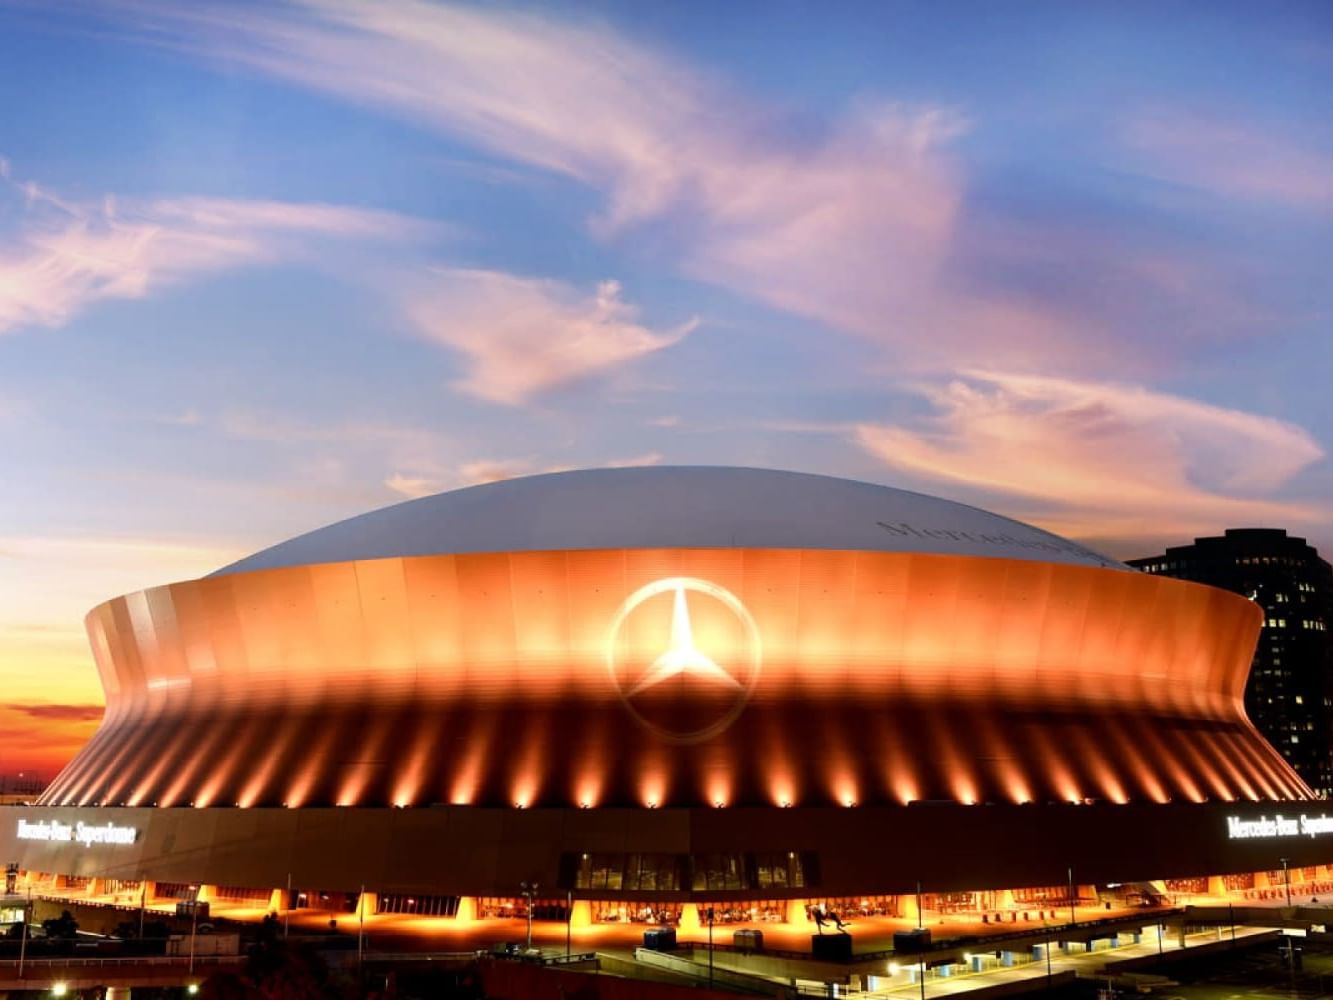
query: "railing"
572, 959
123, 961
419, 956
721, 978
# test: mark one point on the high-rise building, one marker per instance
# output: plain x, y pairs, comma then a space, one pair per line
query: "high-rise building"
1289, 695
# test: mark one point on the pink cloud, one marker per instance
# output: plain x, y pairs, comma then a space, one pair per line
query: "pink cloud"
859, 225
63, 257
521, 336
847, 227
1101, 460
491, 470
1232, 159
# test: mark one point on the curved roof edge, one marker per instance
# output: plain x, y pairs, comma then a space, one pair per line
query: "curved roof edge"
656, 507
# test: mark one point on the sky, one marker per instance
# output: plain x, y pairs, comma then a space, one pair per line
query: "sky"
265, 266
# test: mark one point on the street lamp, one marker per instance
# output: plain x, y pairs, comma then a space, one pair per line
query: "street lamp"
1286, 879
529, 891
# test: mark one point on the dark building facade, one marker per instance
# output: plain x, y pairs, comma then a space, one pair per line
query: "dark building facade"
1289, 696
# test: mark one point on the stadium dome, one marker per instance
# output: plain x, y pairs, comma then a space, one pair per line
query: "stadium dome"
674, 636
673, 508
648, 689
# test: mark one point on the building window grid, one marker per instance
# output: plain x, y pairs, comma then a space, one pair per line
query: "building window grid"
243, 894
719, 872
662, 914
418, 905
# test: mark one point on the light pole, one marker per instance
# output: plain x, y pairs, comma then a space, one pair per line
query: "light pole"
709, 914
1047, 928
1286, 880
361, 929
194, 925
1073, 917
529, 891
920, 923
569, 919
23, 942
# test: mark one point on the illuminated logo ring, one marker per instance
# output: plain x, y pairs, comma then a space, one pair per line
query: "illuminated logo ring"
680, 584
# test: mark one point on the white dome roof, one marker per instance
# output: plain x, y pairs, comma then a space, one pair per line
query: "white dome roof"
662, 507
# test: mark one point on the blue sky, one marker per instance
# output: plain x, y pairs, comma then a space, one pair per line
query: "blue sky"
263, 266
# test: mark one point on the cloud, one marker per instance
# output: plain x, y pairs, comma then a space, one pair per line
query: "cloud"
40, 738
63, 257
635, 461
1231, 158
847, 224
522, 336
493, 470
412, 487
63, 713
863, 222
1101, 460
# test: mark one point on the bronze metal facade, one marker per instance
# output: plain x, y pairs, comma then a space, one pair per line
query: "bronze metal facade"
565, 679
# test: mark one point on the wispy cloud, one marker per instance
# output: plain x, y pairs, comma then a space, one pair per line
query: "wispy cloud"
492, 470
62, 256
520, 336
864, 222
846, 225
1232, 158
40, 738
64, 713
1101, 460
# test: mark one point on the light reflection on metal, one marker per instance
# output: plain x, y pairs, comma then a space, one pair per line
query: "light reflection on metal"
484, 679
681, 657
314, 769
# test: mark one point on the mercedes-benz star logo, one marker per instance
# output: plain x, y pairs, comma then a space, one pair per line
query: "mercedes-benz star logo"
671, 683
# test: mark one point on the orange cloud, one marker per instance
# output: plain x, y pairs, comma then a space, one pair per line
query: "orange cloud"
1102, 460
41, 738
